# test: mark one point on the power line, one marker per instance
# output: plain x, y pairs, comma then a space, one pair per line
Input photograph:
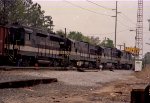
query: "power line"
123, 15
112, 16
130, 20
124, 30
114, 32
124, 24
126, 17
129, 28
86, 9
101, 13
94, 34
119, 31
99, 5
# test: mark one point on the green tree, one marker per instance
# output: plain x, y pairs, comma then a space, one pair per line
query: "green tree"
107, 43
75, 36
60, 32
6, 7
94, 40
16, 12
80, 37
48, 23
35, 16
86, 39
24, 12
13, 10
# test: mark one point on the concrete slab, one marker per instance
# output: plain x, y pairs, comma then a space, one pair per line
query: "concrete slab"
26, 82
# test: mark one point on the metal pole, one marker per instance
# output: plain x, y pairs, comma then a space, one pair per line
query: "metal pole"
116, 23
124, 46
65, 33
135, 36
105, 42
65, 50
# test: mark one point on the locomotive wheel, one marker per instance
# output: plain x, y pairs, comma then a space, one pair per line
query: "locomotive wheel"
103, 66
90, 65
128, 67
37, 66
50, 63
72, 64
25, 63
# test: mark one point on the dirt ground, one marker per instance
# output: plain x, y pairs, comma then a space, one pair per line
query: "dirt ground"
75, 87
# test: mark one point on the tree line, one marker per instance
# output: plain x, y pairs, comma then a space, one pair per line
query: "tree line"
24, 12
75, 35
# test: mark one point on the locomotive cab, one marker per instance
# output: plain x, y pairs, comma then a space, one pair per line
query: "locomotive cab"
14, 39
11, 37
16, 36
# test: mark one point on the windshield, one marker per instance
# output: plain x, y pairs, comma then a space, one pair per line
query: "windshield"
16, 36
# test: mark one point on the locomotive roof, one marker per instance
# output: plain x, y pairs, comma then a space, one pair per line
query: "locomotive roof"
71, 40
56, 37
107, 47
28, 30
77, 41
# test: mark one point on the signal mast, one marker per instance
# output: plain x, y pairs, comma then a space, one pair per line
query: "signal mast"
139, 37
139, 30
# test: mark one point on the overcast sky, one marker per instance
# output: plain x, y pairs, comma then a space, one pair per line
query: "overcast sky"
97, 21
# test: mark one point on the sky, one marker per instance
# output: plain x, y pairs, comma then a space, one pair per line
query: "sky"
93, 20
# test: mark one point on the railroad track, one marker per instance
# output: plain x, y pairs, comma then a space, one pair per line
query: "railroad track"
36, 68
49, 68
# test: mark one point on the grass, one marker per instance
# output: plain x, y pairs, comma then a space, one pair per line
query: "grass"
144, 74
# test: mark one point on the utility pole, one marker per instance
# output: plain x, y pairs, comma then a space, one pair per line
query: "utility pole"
116, 17
65, 33
105, 41
124, 45
116, 22
66, 58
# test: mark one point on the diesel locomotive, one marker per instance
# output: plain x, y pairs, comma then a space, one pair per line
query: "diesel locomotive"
27, 46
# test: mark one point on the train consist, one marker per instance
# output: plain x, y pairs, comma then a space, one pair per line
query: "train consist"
26, 46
